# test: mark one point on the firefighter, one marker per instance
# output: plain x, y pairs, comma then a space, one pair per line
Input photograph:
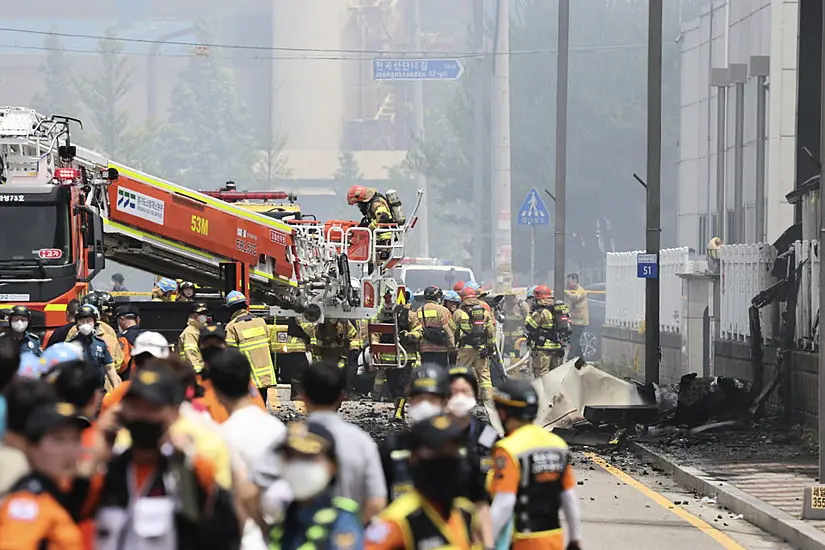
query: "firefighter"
541, 336
288, 343
433, 514
410, 332
188, 339
438, 337
186, 292
163, 290
94, 347
128, 324
579, 314
428, 394
515, 312
337, 341
451, 301
375, 210
529, 501
459, 286
103, 302
475, 339
20, 319
250, 335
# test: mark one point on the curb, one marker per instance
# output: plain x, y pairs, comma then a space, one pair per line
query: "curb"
768, 518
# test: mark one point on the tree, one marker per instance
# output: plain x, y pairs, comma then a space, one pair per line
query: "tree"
101, 92
348, 169
271, 162
55, 96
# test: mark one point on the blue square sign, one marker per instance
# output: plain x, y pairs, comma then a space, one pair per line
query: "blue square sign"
647, 266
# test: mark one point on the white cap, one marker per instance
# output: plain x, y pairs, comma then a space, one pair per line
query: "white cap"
153, 343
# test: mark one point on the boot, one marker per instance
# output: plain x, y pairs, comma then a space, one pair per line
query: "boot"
400, 414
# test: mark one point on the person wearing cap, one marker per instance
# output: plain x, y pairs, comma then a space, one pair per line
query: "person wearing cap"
250, 335
163, 290
37, 513
96, 300
128, 325
433, 514
188, 340
315, 518
149, 347
528, 503
95, 349
160, 478
211, 342
19, 322
61, 333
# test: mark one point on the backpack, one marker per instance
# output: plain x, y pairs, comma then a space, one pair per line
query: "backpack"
478, 331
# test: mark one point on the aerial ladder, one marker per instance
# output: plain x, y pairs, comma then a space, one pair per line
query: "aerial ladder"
67, 209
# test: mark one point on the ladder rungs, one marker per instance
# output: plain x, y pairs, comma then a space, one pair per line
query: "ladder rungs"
390, 349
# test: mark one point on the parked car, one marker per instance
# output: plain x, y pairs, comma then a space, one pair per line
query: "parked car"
591, 338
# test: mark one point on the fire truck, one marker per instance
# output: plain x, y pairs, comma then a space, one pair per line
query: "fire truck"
66, 210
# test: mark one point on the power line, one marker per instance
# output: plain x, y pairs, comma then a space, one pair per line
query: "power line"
370, 53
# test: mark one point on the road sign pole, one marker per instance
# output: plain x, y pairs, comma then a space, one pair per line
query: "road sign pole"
479, 136
418, 132
654, 167
822, 274
561, 145
532, 255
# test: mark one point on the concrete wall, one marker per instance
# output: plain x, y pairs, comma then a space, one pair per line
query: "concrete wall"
623, 354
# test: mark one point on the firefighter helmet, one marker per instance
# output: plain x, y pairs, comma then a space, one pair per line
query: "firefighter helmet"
87, 311
167, 285
531, 292
186, 284
542, 292
235, 297
459, 285
517, 398
20, 311
433, 293
468, 292
101, 300
472, 284
359, 193
430, 378
451, 296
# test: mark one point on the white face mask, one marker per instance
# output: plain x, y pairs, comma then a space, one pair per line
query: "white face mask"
85, 329
306, 478
20, 326
461, 405
423, 411
202, 319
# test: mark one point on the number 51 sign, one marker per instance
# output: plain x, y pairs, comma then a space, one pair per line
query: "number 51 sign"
647, 266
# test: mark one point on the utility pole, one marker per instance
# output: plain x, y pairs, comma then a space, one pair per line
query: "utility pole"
479, 114
418, 132
654, 194
822, 271
719, 80
561, 145
502, 249
739, 76
760, 67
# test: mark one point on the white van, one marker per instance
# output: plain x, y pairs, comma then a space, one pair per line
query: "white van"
417, 277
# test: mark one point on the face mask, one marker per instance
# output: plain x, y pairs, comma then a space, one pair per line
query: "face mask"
145, 435
439, 480
306, 478
423, 411
202, 319
209, 352
20, 326
461, 405
85, 329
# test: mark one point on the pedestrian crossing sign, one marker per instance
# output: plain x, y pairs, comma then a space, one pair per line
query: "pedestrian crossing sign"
533, 211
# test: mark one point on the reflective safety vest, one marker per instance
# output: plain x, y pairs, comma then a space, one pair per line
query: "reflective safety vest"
188, 345
407, 322
289, 336
474, 325
318, 533
425, 528
539, 326
332, 341
251, 336
438, 330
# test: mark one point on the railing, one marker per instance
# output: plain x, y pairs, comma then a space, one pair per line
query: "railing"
745, 272
625, 292
807, 306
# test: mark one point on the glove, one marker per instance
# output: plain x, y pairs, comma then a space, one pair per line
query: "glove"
573, 545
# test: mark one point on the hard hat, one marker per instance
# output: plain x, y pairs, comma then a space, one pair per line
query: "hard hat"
531, 291
465, 372
167, 285
20, 311
459, 285
87, 311
101, 300
451, 296
472, 284
235, 297
468, 292
430, 378
359, 193
518, 398
31, 366
542, 292
153, 343
432, 292
186, 284
61, 352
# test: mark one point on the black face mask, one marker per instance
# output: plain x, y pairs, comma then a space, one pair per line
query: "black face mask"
145, 435
439, 480
209, 352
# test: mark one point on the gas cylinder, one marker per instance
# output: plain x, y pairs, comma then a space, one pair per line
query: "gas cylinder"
396, 207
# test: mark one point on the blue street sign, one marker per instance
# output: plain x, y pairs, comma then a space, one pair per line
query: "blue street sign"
533, 211
647, 266
416, 69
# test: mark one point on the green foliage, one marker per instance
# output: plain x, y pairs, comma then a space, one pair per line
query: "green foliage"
348, 169
58, 96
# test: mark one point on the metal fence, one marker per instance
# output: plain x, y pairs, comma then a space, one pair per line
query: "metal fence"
625, 292
807, 306
745, 272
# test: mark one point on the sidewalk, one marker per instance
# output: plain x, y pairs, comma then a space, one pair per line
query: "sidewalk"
760, 473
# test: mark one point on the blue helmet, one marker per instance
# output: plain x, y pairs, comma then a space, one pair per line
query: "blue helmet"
451, 296
167, 285
235, 297
31, 366
62, 352
531, 291
472, 284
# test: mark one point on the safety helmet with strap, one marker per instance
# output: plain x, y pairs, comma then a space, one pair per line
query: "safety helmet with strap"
430, 378
517, 398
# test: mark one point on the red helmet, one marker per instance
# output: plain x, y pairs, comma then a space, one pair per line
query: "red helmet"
468, 292
459, 285
359, 193
542, 292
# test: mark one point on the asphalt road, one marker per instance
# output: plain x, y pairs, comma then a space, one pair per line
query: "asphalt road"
640, 512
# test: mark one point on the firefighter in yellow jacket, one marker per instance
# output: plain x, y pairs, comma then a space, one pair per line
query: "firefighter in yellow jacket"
338, 341
375, 209
250, 335
289, 343
438, 338
475, 338
545, 350
188, 340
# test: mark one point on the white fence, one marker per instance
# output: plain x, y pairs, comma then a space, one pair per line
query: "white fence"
745, 272
807, 305
625, 292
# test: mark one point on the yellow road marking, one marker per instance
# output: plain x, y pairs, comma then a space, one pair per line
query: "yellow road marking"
724, 540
